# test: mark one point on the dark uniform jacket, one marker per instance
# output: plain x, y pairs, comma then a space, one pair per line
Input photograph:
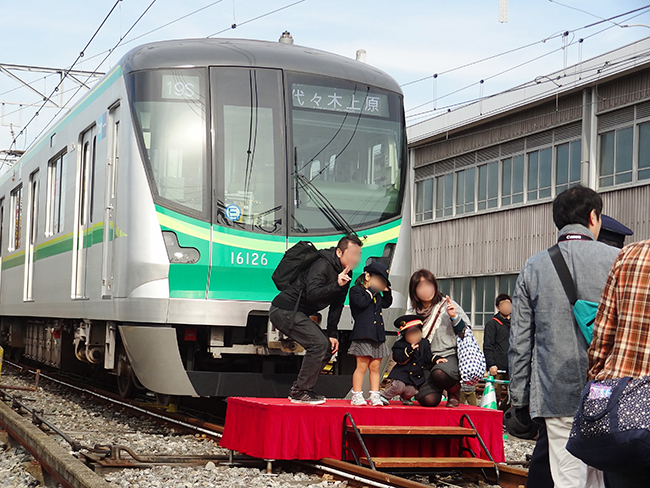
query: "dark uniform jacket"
367, 313
320, 289
412, 363
496, 342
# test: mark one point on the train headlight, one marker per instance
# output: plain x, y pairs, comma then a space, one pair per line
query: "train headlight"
178, 254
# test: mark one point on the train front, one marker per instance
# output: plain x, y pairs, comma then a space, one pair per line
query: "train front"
250, 147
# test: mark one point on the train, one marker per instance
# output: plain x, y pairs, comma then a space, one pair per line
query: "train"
139, 234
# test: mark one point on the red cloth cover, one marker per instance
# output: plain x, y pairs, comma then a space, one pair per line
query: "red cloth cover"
275, 428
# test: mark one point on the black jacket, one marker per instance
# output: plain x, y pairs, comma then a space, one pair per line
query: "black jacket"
412, 363
366, 310
496, 342
320, 289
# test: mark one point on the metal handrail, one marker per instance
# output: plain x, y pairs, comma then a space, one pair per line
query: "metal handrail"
358, 434
480, 439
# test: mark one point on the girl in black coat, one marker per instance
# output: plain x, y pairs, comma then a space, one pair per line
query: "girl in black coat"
368, 297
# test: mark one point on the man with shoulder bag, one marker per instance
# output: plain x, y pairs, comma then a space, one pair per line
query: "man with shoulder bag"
548, 351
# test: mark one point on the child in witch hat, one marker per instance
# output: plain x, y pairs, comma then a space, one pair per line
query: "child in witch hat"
413, 356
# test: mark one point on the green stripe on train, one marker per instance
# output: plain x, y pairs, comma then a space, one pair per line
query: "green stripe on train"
242, 262
61, 244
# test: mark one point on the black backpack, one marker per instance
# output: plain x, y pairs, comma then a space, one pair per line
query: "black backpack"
295, 261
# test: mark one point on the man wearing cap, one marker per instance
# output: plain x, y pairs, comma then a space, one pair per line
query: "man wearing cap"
612, 232
548, 353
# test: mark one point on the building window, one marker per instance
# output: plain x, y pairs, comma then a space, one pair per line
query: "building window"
424, 200
444, 195
539, 174
465, 190
507, 284
567, 165
616, 157
485, 294
54, 203
16, 217
488, 186
462, 288
477, 296
512, 180
644, 151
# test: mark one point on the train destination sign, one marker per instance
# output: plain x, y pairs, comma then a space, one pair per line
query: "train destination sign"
180, 87
339, 100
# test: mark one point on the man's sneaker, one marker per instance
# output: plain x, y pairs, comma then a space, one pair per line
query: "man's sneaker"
357, 398
384, 400
407, 401
306, 397
375, 399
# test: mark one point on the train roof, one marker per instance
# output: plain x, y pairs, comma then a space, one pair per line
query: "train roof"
260, 54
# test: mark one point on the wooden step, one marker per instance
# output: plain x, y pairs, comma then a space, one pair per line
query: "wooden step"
428, 462
399, 430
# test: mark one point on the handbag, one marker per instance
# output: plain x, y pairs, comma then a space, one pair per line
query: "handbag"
471, 361
611, 430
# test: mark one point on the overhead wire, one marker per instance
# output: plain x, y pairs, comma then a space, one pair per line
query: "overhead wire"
234, 25
63, 76
595, 75
87, 78
439, 109
525, 46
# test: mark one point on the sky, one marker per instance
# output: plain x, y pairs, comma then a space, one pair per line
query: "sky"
408, 39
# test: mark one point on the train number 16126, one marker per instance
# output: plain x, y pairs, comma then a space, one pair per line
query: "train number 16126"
248, 258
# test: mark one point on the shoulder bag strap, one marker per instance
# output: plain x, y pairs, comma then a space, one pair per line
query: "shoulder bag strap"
563, 272
435, 320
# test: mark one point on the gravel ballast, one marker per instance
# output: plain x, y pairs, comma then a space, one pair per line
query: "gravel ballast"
93, 423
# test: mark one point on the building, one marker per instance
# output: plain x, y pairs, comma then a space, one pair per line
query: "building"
484, 175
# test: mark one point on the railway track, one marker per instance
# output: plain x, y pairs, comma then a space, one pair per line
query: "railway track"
99, 460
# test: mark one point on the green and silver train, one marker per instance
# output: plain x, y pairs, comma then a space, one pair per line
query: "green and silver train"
139, 235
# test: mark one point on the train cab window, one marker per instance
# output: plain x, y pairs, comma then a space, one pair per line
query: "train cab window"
348, 147
16, 218
249, 148
54, 204
170, 112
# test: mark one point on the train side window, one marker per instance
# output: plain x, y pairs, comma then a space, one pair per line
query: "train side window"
92, 178
54, 202
2, 223
16, 217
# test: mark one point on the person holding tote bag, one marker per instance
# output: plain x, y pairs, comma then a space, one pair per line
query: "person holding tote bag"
444, 320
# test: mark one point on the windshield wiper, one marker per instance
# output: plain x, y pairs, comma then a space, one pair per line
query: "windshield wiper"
324, 205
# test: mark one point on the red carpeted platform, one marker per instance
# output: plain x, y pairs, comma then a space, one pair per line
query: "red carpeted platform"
275, 428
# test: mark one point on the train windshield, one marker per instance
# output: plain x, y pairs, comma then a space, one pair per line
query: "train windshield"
170, 113
348, 146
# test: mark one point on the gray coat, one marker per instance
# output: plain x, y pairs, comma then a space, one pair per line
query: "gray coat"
548, 354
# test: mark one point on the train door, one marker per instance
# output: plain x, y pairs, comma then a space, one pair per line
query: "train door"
82, 234
32, 233
109, 202
249, 147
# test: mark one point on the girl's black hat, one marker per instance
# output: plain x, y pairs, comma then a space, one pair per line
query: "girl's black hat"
378, 269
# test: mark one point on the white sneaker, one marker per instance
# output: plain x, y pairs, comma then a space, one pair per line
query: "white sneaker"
375, 399
357, 398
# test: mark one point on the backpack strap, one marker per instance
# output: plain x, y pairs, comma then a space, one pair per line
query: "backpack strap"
497, 320
564, 274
